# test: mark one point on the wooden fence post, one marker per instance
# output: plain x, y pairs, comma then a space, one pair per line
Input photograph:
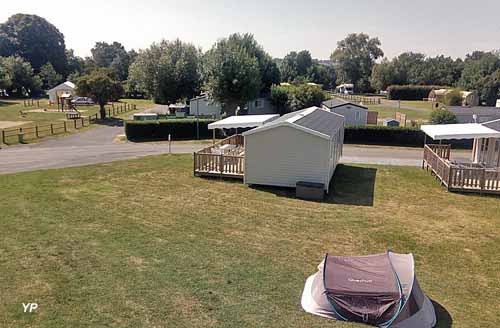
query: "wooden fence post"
65, 127
51, 128
74, 123
3, 136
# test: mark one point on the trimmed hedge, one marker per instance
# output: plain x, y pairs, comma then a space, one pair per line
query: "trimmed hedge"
179, 129
383, 135
410, 92
185, 129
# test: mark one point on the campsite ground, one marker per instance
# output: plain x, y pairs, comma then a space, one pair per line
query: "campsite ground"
415, 110
144, 243
10, 112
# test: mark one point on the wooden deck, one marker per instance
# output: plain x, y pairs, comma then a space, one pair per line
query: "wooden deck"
214, 162
460, 177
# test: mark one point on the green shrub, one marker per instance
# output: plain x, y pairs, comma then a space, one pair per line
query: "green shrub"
184, 129
441, 116
410, 92
179, 129
453, 98
384, 135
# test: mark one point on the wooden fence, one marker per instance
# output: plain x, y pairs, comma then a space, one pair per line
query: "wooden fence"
357, 98
22, 134
210, 161
461, 177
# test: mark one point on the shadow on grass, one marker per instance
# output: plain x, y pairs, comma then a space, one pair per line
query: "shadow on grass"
443, 317
351, 185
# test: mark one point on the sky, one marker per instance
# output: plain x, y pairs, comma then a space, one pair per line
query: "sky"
450, 27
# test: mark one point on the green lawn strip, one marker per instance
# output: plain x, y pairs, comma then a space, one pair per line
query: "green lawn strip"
390, 112
144, 243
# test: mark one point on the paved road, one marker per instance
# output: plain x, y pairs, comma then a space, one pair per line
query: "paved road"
99, 145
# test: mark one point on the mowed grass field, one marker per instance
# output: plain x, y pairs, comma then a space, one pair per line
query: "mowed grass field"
143, 243
419, 111
11, 119
10, 110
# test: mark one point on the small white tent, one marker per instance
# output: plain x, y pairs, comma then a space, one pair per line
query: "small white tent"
66, 88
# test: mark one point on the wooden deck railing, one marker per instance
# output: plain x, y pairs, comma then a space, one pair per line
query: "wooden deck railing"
460, 177
211, 162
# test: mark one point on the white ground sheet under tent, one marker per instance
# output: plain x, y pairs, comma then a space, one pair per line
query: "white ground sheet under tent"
414, 311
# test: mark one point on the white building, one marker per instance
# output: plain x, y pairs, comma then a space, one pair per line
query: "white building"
354, 114
305, 145
66, 88
203, 106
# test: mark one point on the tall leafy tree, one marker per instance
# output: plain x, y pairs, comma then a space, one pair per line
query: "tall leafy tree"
76, 64
36, 40
383, 75
22, 80
167, 72
7, 45
354, 59
296, 66
236, 71
323, 74
49, 76
101, 86
305, 95
112, 56
280, 97
5, 78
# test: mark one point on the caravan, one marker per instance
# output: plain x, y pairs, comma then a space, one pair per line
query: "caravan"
347, 89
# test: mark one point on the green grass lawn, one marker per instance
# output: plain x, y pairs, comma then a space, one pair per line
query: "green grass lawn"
143, 243
10, 110
411, 114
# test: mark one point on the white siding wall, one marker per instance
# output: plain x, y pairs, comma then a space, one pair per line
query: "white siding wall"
265, 107
353, 115
53, 93
282, 156
205, 107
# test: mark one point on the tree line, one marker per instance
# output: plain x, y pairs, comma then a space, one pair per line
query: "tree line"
234, 70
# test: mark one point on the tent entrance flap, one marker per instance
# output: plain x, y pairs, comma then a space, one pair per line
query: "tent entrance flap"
363, 289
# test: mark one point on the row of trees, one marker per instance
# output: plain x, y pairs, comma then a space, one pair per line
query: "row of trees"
236, 69
479, 71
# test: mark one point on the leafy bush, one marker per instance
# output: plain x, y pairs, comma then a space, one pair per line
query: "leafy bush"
179, 129
410, 92
453, 98
441, 116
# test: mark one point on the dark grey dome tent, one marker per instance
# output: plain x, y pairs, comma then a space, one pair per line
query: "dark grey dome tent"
379, 290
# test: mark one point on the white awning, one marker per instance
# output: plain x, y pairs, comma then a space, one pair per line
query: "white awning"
243, 121
459, 131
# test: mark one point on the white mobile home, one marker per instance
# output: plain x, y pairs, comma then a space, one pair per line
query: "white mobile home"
354, 114
301, 146
204, 106
66, 88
